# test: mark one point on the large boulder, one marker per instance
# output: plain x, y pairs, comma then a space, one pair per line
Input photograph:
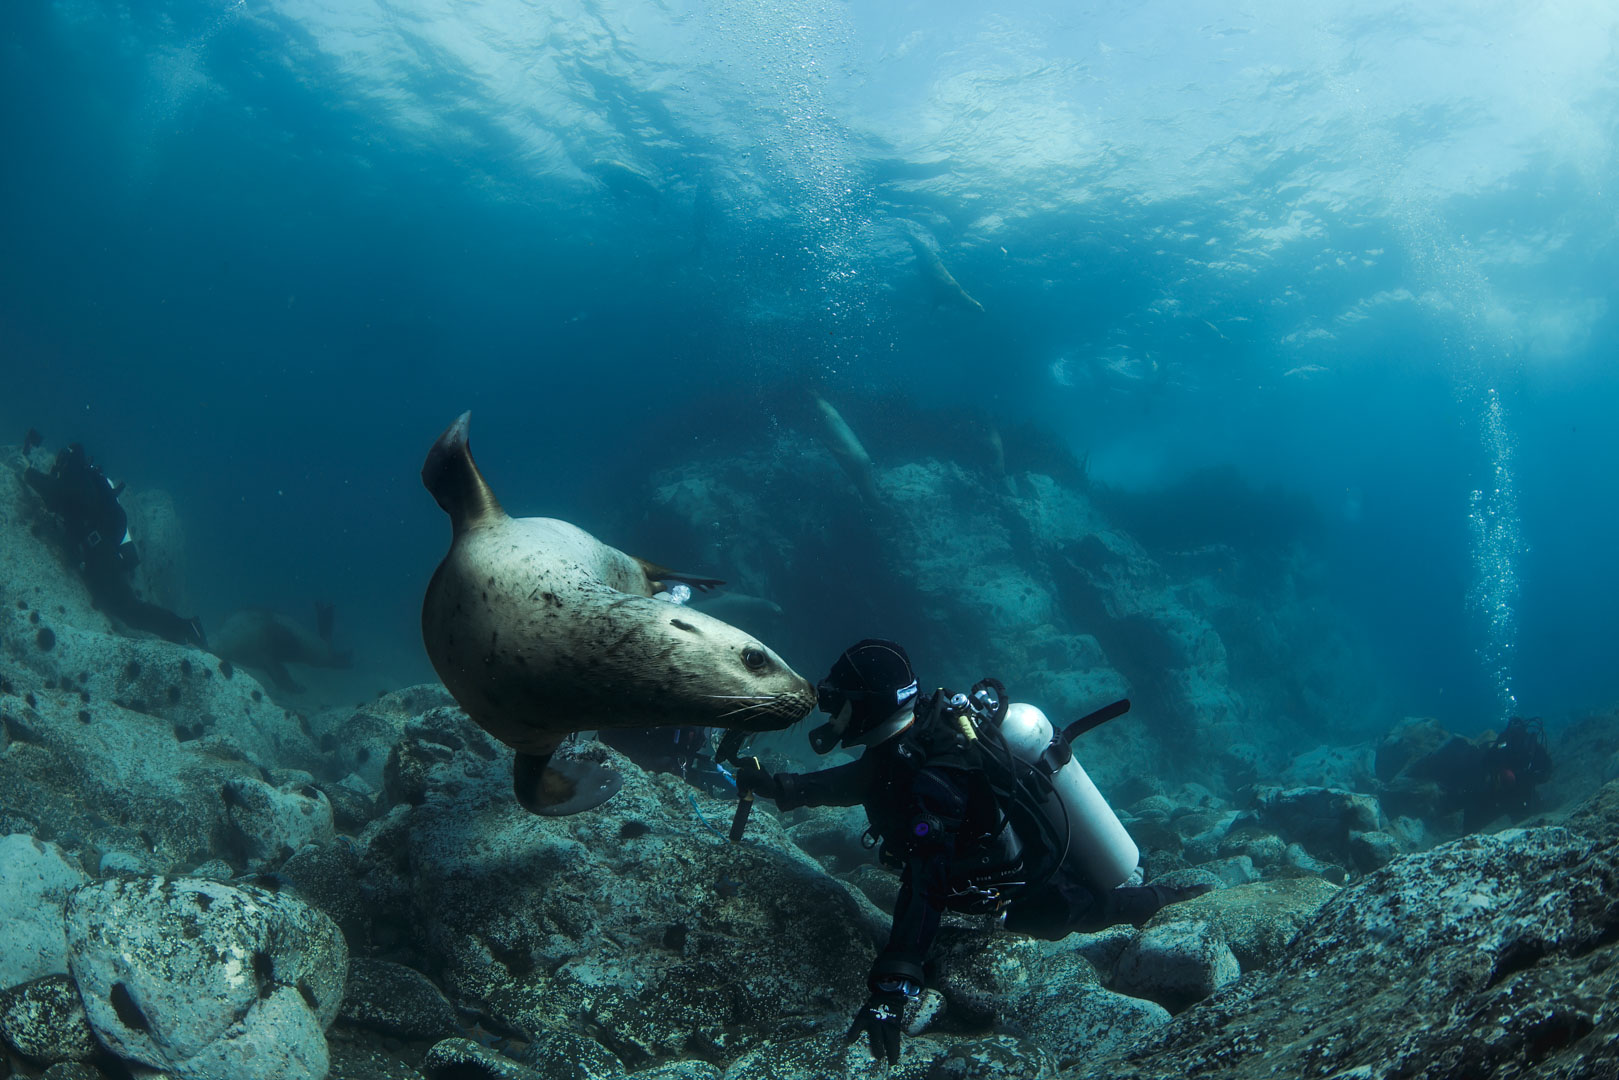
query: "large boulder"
640, 920
1258, 920
1176, 963
44, 1021
1488, 956
1047, 991
204, 980
36, 879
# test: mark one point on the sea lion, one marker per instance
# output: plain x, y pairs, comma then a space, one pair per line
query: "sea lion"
850, 453
539, 630
268, 641
947, 291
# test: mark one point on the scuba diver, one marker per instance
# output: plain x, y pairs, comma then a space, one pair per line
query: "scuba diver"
982, 810
95, 532
1487, 778
1511, 767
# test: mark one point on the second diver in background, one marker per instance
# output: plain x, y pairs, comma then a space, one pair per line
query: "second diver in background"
94, 531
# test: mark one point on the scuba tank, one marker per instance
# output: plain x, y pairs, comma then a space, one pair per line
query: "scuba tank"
1098, 844
1047, 792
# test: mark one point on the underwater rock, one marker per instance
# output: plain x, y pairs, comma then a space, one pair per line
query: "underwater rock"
361, 738
994, 1057
396, 1000
463, 1059
1257, 920
1321, 820
1598, 816
36, 879
1077, 1021
880, 884
330, 877
832, 835
44, 1021
1176, 963
1370, 850
1047, 991
1487, 956
359, 1061
689, 1069
1258, 846
1103, 948
204, 980
676, 943
33, 573
1348, 768
79, 774
77, 1070
1233, 870
560, 1054
354, 802
269, 823
824, 1056
429, 742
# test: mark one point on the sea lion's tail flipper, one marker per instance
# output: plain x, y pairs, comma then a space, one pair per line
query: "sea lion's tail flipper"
659, 577
453, 477
282, 677
555, 788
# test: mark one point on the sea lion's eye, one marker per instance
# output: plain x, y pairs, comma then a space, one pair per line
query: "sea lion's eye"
754, 657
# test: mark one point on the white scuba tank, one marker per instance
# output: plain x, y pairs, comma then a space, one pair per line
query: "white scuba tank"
1098, 842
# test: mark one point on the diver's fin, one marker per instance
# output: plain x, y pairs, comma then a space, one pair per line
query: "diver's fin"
660, 577
324, 614
555, 788
453, 477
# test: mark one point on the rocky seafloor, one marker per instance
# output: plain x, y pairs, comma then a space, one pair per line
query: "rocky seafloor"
196, 882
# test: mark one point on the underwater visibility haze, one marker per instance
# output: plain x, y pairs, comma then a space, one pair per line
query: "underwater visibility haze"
1254, 361
258, 252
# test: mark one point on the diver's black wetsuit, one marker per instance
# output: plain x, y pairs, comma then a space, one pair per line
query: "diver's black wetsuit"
938, 819
1489, 780
94, 526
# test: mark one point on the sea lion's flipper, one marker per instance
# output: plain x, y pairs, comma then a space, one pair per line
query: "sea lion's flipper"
555, 788
453, 477
282, 677
660, 576
324, 617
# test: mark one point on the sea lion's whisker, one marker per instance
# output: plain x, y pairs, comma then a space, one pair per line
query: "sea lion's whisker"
754, 707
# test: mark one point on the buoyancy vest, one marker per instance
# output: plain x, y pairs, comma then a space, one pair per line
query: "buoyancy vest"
1048, 817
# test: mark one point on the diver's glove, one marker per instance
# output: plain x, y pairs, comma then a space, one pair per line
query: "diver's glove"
882, 1019
751, 777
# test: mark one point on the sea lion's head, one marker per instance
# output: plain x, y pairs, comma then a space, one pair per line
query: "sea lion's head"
715, 675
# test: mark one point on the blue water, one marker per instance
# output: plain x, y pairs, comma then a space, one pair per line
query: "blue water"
259, 252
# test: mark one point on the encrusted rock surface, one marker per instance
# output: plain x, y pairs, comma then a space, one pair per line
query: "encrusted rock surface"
205, 980
44, 1021
36, 879
1491, 956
